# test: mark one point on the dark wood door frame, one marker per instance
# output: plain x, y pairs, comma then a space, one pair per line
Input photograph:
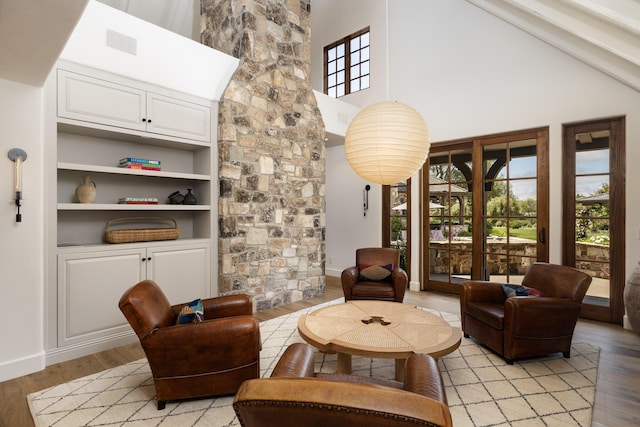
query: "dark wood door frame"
617, 210
476, 144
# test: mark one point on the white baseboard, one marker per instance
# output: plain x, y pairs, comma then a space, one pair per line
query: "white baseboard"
625, 323
62, 354
334, 272
22, 366
414, 286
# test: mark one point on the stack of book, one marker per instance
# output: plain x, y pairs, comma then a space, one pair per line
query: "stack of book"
136, 163
138, 201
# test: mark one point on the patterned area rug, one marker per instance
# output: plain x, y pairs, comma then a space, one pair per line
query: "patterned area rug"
481, 388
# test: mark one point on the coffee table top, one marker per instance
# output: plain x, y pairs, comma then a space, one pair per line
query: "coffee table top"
378, 329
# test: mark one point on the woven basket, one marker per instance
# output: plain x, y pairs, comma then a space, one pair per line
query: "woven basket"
129, 235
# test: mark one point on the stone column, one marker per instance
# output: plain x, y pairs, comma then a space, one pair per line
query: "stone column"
271, 152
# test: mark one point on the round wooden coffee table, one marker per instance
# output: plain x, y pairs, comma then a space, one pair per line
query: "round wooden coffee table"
381, 329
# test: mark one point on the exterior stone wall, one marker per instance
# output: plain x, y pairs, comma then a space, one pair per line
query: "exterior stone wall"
271, 152
522, 255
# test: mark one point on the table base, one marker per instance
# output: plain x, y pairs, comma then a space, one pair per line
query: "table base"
344, 366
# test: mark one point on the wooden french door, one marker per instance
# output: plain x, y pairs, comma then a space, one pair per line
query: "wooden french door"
396, 221
488, 213
594, 212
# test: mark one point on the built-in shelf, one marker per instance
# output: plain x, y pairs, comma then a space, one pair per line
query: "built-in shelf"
125, 207
137, 172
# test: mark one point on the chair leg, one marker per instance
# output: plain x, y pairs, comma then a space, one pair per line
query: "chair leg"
509, 361
466, 335
161, 404
566, 354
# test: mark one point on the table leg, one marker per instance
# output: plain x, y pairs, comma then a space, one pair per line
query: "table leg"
344, 363
400, 369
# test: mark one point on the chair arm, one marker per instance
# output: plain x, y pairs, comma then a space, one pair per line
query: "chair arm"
223, 306
212, 345
400, 281
349, 277
423, 377
480, 290
540, 316
296, 361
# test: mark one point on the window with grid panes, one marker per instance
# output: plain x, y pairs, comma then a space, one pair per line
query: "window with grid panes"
346, 65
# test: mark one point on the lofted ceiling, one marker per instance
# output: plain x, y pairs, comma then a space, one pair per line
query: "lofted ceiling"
603, 33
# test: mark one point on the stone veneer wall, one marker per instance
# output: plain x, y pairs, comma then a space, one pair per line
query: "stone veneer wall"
271, 152
457, 257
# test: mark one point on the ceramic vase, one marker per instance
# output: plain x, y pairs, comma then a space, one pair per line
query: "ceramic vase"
189, 198
86, 192
632, 299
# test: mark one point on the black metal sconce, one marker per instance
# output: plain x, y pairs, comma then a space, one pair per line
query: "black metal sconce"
365, 195
18, 156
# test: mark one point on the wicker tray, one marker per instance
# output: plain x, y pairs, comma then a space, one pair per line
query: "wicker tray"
129, 235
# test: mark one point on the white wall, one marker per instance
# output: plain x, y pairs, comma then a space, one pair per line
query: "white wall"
471, 74
21, 250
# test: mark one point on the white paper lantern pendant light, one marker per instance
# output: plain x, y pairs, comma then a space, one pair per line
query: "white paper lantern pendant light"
387, 142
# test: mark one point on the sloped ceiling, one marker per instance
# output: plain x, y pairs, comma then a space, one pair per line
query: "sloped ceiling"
32, 35
602, 33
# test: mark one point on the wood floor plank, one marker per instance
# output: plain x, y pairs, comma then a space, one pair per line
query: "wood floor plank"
617, 400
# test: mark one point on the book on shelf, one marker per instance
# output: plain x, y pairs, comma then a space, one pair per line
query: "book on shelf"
139, 160
138, 200
140, 166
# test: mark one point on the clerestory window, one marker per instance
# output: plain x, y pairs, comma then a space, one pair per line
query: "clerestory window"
346, 65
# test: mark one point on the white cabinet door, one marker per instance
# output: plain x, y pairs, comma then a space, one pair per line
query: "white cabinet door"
183, 272
90, 285
99, 101
102, 102
170, 116
89, 288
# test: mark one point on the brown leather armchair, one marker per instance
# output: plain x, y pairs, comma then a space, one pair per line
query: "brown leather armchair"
526, 326
296, 396
212, 357
356, 287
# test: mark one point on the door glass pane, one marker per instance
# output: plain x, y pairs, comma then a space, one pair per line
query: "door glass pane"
510, 220
398, 220
592, 216
522, 159
494, 160
592, 152
522, 197
450, 215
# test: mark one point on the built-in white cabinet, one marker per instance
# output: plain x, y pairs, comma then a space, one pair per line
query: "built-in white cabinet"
91, 281
94, 100
97, 119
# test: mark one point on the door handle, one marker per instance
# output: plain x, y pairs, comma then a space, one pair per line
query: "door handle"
542, 236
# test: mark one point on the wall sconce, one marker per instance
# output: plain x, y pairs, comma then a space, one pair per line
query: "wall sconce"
365, 196
18, 156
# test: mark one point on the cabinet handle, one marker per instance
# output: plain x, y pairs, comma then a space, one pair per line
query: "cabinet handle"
144, 120
149, 121
149, 259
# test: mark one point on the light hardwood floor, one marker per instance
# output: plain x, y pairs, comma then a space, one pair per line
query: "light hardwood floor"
617, 392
